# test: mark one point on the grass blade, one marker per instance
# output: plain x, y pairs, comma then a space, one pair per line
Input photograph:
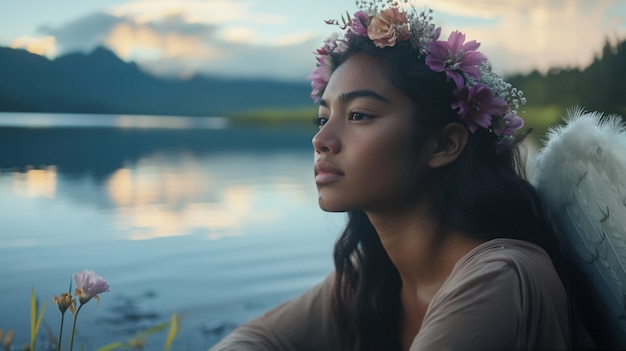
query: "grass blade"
174, 328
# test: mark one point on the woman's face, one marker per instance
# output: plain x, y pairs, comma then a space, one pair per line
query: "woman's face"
366, 156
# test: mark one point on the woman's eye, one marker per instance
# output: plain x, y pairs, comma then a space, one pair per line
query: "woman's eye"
320, 121
357, 116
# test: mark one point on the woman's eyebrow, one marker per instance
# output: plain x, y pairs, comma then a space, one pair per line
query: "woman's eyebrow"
349, 96
346, 97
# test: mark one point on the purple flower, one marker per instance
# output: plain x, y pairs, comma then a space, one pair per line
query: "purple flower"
477, 104
88, 285
510, 124
455, 57
359, 23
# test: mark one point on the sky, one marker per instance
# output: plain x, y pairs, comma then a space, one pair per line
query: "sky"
276, 38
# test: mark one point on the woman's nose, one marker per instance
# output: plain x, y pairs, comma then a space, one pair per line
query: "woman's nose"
326, 140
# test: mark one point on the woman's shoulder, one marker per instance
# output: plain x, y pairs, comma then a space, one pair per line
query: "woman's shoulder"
503, 294
510, 262
502, 252
522, 266
511, 290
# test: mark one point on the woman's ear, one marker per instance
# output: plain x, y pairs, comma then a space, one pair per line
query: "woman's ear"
447, 145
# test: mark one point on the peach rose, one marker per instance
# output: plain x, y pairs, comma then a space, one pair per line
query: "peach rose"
390, 25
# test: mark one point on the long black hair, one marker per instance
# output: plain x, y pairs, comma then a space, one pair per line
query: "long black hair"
483, 193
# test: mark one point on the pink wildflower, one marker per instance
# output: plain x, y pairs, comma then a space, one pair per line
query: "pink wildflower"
477, 104
359, 23
324, 67
320, 76
333, 44
389, 26
89, 285
455, 57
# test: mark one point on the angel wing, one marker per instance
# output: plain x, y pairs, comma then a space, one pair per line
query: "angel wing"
581, 175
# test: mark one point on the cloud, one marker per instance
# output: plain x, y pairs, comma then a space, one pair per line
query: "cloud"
210, 12
45, 46
83, 33
253, 38
483, 9
290, 62
182, 38
170, 45
536, 34
133, 41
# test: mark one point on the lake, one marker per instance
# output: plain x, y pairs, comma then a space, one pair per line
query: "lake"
192, 216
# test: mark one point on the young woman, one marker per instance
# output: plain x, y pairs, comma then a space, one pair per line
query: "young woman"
446, 246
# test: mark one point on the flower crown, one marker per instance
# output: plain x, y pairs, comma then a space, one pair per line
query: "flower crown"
483, 99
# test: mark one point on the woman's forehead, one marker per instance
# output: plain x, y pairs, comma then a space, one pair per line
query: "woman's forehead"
360, 72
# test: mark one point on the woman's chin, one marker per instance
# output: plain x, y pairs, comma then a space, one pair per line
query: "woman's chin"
330, 206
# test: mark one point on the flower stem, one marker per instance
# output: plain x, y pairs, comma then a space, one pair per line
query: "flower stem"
74, 327
60, 332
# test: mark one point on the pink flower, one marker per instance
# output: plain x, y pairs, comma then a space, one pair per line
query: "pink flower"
89, 285
320, 76
454, 57
388, 27
359, 23
510, 124
324, 67
477, 104
333, 44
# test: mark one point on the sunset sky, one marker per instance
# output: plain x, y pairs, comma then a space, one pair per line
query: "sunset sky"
275, 38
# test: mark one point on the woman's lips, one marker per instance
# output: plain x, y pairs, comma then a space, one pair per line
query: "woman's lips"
326, 173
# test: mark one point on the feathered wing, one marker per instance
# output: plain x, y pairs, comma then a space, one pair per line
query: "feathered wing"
581, 175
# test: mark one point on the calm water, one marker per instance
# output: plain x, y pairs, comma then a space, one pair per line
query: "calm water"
186, 216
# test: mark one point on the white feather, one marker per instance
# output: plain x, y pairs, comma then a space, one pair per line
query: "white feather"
581, 176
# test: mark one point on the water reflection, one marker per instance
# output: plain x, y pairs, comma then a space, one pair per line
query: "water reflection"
164, 196
35, 182
73, 120
219, 224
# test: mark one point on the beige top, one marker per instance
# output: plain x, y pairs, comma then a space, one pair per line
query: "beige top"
502, 295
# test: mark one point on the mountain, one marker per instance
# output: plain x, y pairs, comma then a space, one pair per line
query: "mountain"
100, 82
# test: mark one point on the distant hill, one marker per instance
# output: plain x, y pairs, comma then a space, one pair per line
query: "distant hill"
100, 82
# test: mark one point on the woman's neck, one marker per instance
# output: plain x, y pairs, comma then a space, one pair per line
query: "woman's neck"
423, 250
424, 253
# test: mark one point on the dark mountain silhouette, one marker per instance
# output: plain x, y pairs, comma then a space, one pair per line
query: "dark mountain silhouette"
100, 82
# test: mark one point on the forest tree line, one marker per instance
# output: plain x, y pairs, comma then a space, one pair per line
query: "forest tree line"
600, 87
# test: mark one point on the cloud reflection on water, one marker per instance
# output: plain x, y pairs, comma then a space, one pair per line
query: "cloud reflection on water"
177, 194
161, 197
35, 182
